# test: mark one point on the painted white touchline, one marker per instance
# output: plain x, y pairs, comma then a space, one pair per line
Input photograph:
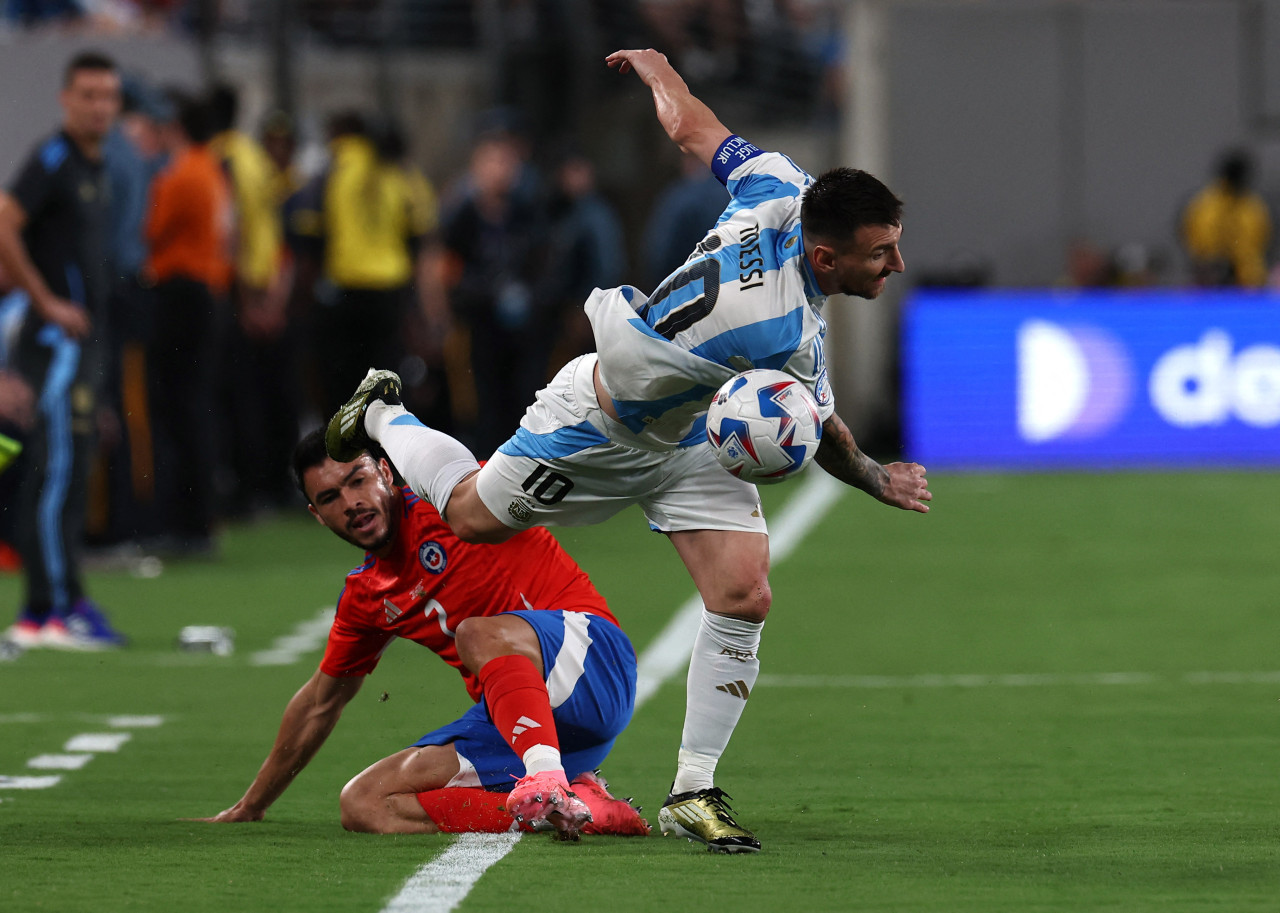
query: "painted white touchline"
135, 722
29, 782
306, 637
1016, 680
97, 741
59, 761
440, 885
22, 718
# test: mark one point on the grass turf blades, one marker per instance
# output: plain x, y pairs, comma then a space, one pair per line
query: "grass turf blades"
1158, 795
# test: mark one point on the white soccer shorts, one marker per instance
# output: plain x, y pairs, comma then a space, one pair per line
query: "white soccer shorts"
561, 469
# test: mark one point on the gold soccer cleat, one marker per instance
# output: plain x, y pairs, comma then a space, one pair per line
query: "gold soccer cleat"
345, 438
703, 816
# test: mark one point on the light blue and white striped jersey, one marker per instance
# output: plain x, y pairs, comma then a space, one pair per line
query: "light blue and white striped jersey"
746, 298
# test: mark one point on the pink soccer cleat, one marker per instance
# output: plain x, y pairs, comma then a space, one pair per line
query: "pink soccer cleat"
611, 816
545, 798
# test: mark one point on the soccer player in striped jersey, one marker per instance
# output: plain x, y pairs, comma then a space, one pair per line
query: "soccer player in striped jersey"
553, 675
626, 425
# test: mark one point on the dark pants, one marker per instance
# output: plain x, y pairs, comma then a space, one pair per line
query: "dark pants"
55, 465
361, 329
263, 395
182, 371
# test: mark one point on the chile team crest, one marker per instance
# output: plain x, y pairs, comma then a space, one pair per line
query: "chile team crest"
432, 556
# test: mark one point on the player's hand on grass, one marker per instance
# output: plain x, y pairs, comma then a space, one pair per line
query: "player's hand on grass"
236, 813
907, 487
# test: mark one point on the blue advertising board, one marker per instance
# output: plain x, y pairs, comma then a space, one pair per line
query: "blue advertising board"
1044, 379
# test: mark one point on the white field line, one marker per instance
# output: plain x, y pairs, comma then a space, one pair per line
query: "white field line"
79, 750
440, 885
445, 881
1016, 680
306, 637
116, 721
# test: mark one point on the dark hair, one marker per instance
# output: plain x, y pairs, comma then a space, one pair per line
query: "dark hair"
843, 200
193, 117
86, 61
347, 123
224, 107
1236, 170
307, 453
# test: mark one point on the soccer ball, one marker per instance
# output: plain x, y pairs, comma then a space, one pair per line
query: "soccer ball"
763, 426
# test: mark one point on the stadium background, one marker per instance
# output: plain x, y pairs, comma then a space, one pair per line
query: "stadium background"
1057, 692
1012, 130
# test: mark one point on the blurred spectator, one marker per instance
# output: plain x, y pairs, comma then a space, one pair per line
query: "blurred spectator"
702, 37
586, 252
54, 225
187, 229
280, 142
362, 222
40, 12
685, 210
124, 471
259, 431
1089, 266
495, 239
1226, 228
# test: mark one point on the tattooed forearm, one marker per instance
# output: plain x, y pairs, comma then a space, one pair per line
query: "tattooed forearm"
839, 455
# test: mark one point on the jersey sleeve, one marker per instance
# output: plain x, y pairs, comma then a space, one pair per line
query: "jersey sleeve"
33, 185
353, 648
754, 176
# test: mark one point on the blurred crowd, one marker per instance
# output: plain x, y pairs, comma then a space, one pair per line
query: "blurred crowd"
248, 298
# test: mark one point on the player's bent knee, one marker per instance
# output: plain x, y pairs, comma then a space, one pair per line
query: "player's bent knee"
358, 807
750, 601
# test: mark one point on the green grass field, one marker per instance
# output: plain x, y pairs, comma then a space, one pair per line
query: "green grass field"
1055, 692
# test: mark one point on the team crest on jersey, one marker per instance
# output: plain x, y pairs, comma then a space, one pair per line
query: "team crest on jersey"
521, 509
822, 389
432, 556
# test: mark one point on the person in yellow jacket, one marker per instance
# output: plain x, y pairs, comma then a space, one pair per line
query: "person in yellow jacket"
1226, 228
363, 221
261, 344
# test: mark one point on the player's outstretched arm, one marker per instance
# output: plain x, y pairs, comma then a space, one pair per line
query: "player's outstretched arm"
308, 719
898, 484
691, 125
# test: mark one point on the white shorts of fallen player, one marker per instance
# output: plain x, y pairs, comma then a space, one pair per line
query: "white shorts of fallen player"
561, 469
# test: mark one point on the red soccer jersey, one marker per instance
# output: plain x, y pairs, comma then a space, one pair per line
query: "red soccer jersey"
432, 580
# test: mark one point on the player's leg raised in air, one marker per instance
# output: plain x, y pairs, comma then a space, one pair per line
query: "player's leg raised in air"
437, 466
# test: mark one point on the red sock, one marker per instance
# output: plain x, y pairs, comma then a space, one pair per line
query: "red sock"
460, 810
518, 702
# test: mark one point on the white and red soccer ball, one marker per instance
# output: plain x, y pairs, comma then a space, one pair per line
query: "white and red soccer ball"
764, 426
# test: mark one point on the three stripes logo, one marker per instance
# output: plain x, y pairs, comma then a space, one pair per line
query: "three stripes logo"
691, 813
393, 611
737, 689
523, 724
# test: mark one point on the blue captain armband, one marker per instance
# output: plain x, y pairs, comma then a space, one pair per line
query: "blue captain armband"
732, 153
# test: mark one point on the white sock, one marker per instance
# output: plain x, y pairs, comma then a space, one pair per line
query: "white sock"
722, 672
541, 759
429, 460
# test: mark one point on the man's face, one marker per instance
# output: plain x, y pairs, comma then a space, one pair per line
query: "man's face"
90, 103
355, 500
861, 266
